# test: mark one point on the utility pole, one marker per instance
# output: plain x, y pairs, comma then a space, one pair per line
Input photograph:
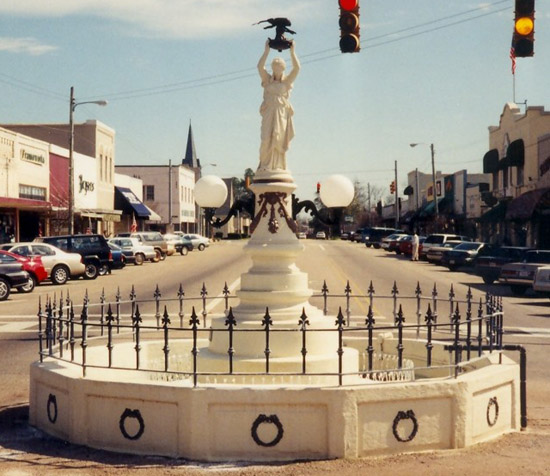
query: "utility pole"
396, 199
369, 203
169, 196
435, 187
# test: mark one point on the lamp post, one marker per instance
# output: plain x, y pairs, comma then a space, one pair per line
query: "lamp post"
73, 105
436, 205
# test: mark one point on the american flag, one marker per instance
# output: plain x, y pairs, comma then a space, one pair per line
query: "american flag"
133, 228
513, 58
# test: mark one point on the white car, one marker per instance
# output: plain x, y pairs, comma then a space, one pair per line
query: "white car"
541, 284
141, 252
60, 265
197, 241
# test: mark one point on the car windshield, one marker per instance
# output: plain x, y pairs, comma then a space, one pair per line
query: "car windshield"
434, 239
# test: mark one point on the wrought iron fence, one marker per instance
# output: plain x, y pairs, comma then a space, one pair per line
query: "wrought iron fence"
472, 328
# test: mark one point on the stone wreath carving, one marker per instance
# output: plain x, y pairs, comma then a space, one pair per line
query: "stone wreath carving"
271, 419
408, 415
493, 402
51, 408
136, 414
275, 200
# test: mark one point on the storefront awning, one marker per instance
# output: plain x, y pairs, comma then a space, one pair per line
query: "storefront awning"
154, 217
516, 153
127, 201
522, 207
429, 209
24, 204
495, 214
490, 162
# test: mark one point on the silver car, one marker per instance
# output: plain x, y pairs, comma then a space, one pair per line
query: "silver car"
141, 252
198, 241
60, 265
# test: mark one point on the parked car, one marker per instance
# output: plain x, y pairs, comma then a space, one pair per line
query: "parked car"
438, 239
33, 266
198, 241
373, 236
541, 283
154, 239
60, 265
134, 251
391, 242
435, 253
12, 275
463, 254
94, 250
520, 276
405, 245
320, 235
182, 243
301, 235
488, 266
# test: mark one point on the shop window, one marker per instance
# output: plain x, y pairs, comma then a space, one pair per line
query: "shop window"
32, 193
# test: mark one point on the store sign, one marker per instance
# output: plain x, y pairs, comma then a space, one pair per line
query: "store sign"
34, 158
84, 186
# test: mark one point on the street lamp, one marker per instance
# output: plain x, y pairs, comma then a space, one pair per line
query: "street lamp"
73, 105
436, 205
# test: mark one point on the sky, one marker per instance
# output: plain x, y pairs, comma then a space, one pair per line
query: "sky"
429, 71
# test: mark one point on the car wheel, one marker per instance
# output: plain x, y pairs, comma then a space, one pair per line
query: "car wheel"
488, 279
202, 247
184, 250
92, 271
29, 287
162, 255
518, 290
452, 267
60, 275
156, 259
4, 289
139, 259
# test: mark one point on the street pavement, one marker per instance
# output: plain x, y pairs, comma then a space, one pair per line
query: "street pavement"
336, 265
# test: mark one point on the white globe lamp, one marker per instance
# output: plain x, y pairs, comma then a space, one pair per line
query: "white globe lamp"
210, 192
337, 191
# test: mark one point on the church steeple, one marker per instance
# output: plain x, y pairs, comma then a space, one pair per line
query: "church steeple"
190, 158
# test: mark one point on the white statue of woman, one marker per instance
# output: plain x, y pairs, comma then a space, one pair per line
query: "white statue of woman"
276, 111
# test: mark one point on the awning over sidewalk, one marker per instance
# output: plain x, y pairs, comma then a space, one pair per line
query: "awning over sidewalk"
126, 200
495, 214
24, 204
522, 207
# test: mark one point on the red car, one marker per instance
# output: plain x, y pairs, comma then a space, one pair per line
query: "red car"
405, 245
33, 266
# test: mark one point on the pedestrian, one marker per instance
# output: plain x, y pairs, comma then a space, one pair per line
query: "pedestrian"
415, 245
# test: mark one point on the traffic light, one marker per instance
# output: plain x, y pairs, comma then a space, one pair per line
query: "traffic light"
318, 187
349, 26
524, 28
392, 187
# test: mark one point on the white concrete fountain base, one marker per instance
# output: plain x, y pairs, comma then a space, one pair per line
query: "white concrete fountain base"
136, 412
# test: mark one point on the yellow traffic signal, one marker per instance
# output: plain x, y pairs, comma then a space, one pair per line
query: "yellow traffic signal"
524, 28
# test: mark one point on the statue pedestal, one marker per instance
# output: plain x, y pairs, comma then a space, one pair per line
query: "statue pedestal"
275, 285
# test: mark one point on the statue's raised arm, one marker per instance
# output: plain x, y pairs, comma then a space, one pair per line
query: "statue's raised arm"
276, 110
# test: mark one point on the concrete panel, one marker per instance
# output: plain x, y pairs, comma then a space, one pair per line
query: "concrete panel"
53, 410
492, 412
278, 431
137, 426
405, 425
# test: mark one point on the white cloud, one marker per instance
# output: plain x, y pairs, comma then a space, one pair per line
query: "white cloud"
170, 18
29, 46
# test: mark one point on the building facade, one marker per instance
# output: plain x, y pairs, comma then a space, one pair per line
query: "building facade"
519, 163
24, 186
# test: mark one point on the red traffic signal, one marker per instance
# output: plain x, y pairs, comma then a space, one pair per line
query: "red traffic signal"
349, 26
318, 187
392, 187
524, 28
